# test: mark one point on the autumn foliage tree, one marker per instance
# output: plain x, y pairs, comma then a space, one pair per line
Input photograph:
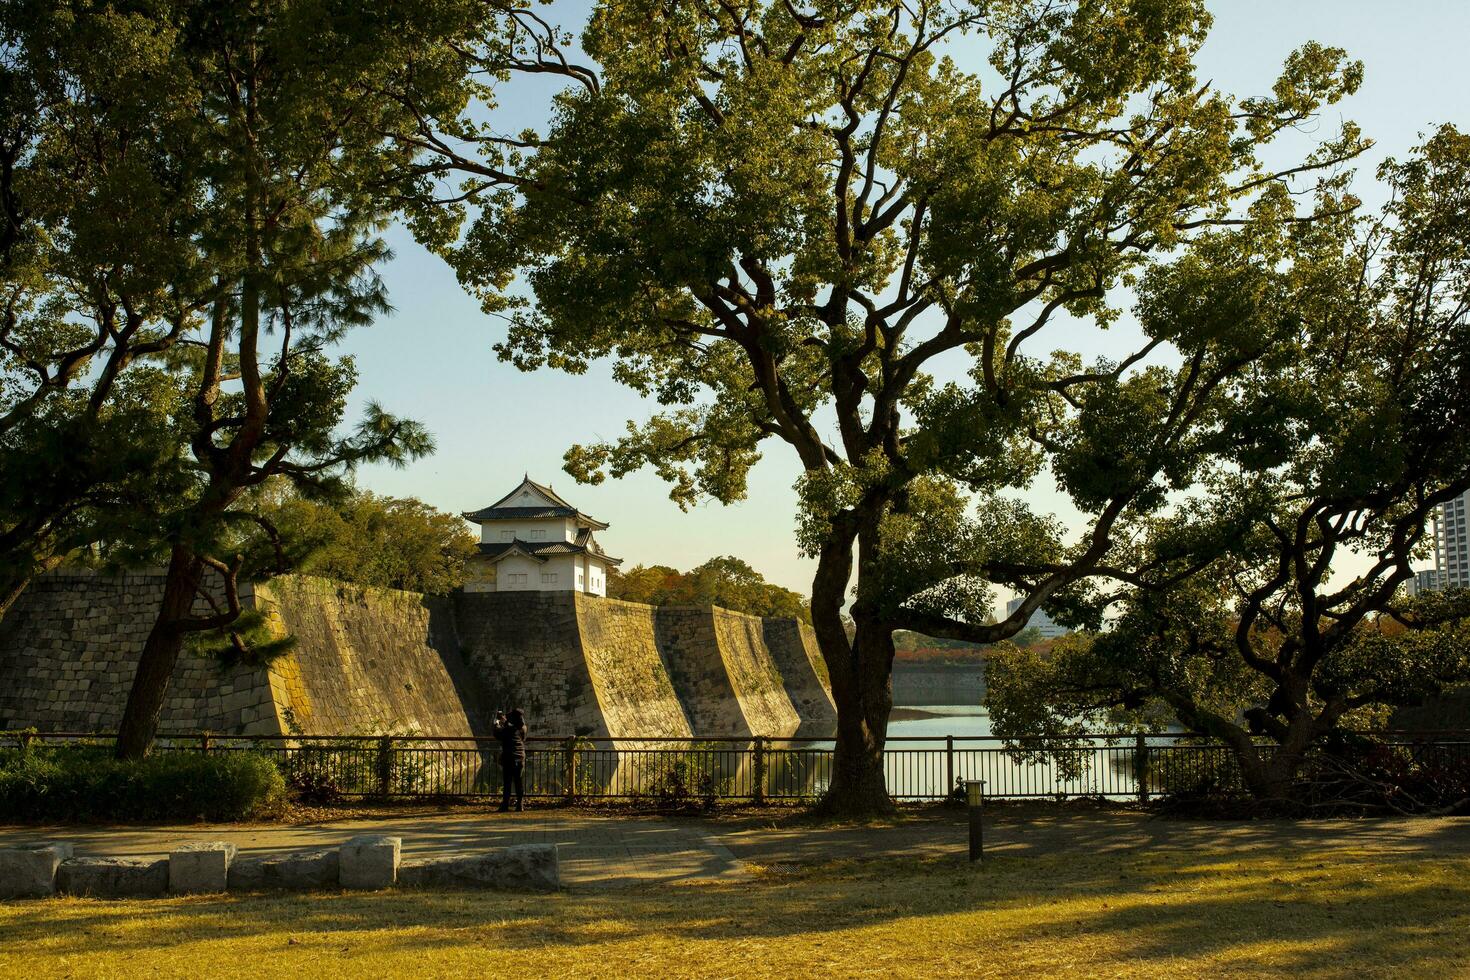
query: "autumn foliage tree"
861, 230
725, 581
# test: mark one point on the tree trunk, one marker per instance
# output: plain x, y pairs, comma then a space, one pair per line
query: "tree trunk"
1271, 779
160, 654
12, 587
864, 697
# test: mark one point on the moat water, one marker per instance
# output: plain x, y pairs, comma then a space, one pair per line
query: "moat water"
918, 765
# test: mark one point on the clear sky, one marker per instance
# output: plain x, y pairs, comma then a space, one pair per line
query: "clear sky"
431, 359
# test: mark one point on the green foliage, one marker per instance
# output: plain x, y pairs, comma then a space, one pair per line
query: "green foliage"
1237, 627
726, 581
817, 224
86, 783
366, 539
690, 778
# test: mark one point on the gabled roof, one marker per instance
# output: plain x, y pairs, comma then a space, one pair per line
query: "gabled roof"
554, 506
544, 491
542, 550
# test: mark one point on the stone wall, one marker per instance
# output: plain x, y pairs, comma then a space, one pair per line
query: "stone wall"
525, 650
372, 661
937, 684
69, 648
793, 647
725, 677
367, 661
634, 693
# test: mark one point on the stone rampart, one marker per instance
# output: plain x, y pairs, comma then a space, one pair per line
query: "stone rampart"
367, 661
525, 651
723, 672
373, 661
794, 649
921, 684
69, 648
634, 693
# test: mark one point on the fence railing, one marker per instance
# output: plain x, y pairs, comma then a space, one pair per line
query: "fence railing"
1112, 766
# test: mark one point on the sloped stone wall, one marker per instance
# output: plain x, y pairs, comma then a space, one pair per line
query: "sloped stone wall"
367, 661
370, 661
69, 649
799, 662
723, 672
634, 693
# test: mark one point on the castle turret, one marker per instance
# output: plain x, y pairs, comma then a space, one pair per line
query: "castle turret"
532, 540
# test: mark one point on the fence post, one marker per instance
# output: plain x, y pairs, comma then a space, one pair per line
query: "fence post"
758, 770
949, 784
1140, 766
385, 765
569, 767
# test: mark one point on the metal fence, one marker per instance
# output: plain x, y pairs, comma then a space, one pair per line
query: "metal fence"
1112, 766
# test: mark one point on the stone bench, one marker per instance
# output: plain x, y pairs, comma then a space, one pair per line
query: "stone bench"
30, 871
368, 862
520, 867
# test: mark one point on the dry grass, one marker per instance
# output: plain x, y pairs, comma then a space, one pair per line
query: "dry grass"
1307, 914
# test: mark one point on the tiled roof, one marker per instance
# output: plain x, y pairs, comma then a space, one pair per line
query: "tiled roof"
541, 550
557, 507
520, 513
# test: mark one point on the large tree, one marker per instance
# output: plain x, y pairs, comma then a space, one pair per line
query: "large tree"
858, 229
1249, 627
101, 198
307, 117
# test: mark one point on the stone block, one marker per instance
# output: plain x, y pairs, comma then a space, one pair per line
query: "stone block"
522, 867
201, 867
297, 871
113, 877
29, 871
370, 861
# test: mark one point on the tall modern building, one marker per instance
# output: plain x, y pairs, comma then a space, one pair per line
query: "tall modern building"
1039, 619
1450, 538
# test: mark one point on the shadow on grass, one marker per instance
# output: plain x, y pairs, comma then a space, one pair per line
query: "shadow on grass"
1303, 913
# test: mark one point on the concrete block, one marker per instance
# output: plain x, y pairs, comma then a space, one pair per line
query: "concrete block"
298, 871
114, 877
201, 867
370, 861
523, 867
29, 871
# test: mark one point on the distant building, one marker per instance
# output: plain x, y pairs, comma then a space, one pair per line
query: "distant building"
1043, 623
531, 540
1424, 580
1450, 539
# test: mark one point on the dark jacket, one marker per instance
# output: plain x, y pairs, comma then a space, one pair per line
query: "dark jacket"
512, 741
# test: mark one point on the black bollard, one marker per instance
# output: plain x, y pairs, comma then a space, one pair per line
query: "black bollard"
975, 799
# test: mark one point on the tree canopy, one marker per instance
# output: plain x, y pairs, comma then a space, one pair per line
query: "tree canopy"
1240, 629
367, 539
726, 581
815, 224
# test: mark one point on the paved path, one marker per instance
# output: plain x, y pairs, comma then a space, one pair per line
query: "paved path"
601, 851
594, 851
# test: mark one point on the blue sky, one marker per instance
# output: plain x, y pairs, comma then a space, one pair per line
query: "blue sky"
431, 359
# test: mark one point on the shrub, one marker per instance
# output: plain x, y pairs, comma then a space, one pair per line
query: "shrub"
84, 782
691, 779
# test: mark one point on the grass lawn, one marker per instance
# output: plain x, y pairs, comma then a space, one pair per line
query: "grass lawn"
1314, 913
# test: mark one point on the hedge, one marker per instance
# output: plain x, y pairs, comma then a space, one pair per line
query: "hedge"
85, 783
